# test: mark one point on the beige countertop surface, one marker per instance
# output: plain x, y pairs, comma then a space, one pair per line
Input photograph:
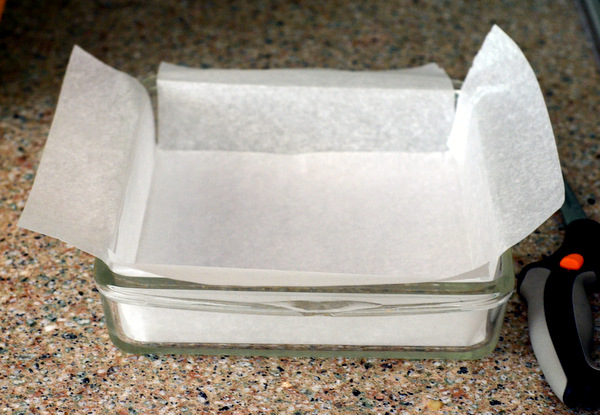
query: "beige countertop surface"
55, 353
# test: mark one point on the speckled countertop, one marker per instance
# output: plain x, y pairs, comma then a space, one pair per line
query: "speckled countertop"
55, 354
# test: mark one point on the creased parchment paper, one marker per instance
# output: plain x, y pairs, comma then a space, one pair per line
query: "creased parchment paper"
300, 177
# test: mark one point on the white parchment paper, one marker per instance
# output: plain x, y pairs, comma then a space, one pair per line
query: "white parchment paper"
300, 177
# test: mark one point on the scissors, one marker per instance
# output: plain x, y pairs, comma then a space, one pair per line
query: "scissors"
561, 324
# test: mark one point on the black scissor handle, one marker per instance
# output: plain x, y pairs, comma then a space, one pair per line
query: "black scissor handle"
560, 318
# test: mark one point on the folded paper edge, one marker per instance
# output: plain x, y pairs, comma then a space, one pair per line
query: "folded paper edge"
50, 208
499, 143
308, 77
276, 278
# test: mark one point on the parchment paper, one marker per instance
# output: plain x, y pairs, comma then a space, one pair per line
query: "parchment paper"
300, 177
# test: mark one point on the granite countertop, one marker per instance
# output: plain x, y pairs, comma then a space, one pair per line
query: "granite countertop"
55, 354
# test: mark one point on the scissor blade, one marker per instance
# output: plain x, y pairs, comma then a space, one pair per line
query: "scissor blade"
571, 209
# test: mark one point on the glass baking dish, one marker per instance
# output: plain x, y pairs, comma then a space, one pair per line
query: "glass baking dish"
293, 219
454, 320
